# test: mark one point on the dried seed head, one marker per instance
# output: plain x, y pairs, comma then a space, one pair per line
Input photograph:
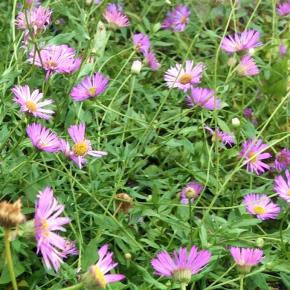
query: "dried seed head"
10, 214
125, 202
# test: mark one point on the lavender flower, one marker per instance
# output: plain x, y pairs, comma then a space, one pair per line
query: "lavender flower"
190, 192
247, 66
282, 160
115, 16
141, 42
177, 19
283, 9
204, 98
282, 186
225, 138
151, 60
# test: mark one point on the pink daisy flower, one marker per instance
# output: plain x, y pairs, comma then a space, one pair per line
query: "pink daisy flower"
282, 160
282, 186
247, 66
38, 19
246, 258
177, 19
190, 192
82, 146
282, 49
243, 42
151, 60
284, 8
47, 222
42, 138
56, 59
204, 98
184, 77
30, 102
182, 265
90, 87
97, 274
261, 206
115, 16
225, 138
141, 42
253, 156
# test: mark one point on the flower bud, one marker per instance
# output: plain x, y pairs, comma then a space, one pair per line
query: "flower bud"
232, 61
260, 242
10, 214
251, 51
236, 122
128, 256
136, 67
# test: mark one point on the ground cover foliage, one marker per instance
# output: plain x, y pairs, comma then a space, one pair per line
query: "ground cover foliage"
155, 142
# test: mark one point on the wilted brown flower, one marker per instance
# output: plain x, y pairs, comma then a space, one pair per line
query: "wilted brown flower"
124, 202
10, 214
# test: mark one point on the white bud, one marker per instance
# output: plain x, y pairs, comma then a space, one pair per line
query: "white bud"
136, 67
251, 51
168, 2
236, 122
128, 256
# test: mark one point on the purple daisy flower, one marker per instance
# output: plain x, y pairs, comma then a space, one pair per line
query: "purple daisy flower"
115, 16
190, 192
141, 42
177, 19
253, 156
38, 19
261, 206
82, 146
246, 258
243, 42
97, 274
225, 138
151, 60
47, 221
282, 186
182, 265
42, 138
184, 78
56, 59
30, 102
90, 87
284, 8
247, 66
204, 98
282, 160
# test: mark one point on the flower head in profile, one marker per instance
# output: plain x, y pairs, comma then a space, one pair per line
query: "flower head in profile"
48, 222
177, 19
204, 98
90, 87
30, 102
246, 258
182, 265
82, 146
282, 160
282, 186
243, 42
141, 42
115, 16
151, 60
247, 67
55, 59
253, 155
10, 214
190, 192
97, 275
283, 9
185, 77
42, 138
225, 138
261, 206
38, 19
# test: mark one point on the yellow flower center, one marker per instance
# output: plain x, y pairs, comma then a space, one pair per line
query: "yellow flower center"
80, 148
51, 64
185, 79
92, 91
31, 106
259, 209
288, 192
44, 228
100, 278
253, 157
190, 193
183, 19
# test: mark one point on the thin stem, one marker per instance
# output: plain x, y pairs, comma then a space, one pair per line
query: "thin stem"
242, 282
9, 258
74, 287
183, 286
190, 220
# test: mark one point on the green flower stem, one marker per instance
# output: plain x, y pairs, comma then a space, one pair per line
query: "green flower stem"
74, 287
242, 282
9, 258
190, 220
183, 286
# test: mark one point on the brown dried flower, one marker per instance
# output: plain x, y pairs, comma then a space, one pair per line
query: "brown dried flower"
125, 202
10, 214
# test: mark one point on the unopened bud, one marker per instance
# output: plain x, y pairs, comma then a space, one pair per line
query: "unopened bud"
232, 61
260, 242
10, 214
136, 67
251, 51
128, 256
236, 122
